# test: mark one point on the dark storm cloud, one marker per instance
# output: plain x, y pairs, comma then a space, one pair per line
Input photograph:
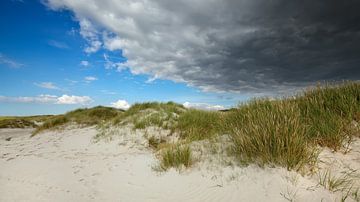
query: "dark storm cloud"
238, 46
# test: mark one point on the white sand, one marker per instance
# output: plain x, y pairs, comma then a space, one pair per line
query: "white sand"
69, 166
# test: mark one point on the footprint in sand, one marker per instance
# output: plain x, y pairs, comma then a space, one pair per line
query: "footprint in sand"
9, 159
95, 174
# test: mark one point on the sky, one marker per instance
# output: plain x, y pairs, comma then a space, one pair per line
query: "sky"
58, 55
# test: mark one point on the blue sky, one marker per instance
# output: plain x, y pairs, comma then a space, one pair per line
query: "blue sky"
58, 55
42, 58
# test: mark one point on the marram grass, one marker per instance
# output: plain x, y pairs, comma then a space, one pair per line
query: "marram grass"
284, 132
266, 131
176, 156
281, 132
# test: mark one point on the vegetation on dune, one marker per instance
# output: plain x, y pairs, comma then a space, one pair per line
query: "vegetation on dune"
22, 121
142, 115
266, 131
198, 124
155, 143
281, 132
16, 123
91, 116
328, 110
176, 156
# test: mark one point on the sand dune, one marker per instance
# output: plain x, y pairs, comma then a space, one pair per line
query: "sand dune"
69, 166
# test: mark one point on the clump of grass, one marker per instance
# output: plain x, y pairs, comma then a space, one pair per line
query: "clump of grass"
335, 183
21, 121
52, 123
327, 110
198, 124
16, 123
93, 115
85, 116
283, 132
155, 142
176, 156
137, 108
153, 119
266, 131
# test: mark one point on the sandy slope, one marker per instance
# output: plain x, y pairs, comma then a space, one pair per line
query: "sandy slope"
69, 166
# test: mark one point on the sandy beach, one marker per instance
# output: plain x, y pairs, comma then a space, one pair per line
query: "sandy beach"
68, 165
179, 101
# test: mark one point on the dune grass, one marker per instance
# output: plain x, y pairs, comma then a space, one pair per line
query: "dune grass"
335, 183
16, 123
84, 116
267, 131
155, 143
21, 121
283, 132
199, 124
143, 115
328, 110
176, 156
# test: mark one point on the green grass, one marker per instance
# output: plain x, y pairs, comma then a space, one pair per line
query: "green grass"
91, 116
328, 110
153, 119
16, 123
335, 183
198, 124
176, 156
21, 121
155, 142
266, 131
147, 114
283, 132
168, 107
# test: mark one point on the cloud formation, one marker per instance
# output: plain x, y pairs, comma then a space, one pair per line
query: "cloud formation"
9, 62
204, 106
120, 104
47, 85
84, 63
227, 45
72, 99
58, 44
89, 79
49, 99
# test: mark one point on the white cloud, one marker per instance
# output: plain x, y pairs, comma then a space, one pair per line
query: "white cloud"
161, 39
113, 65
89, 79
108, 92
46, 98
72, 99
204, 106
84, 63
120, 104
58, 44
47, 85
25, 99
224, 45
71, 82
9, 62
49, 99
90, 34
